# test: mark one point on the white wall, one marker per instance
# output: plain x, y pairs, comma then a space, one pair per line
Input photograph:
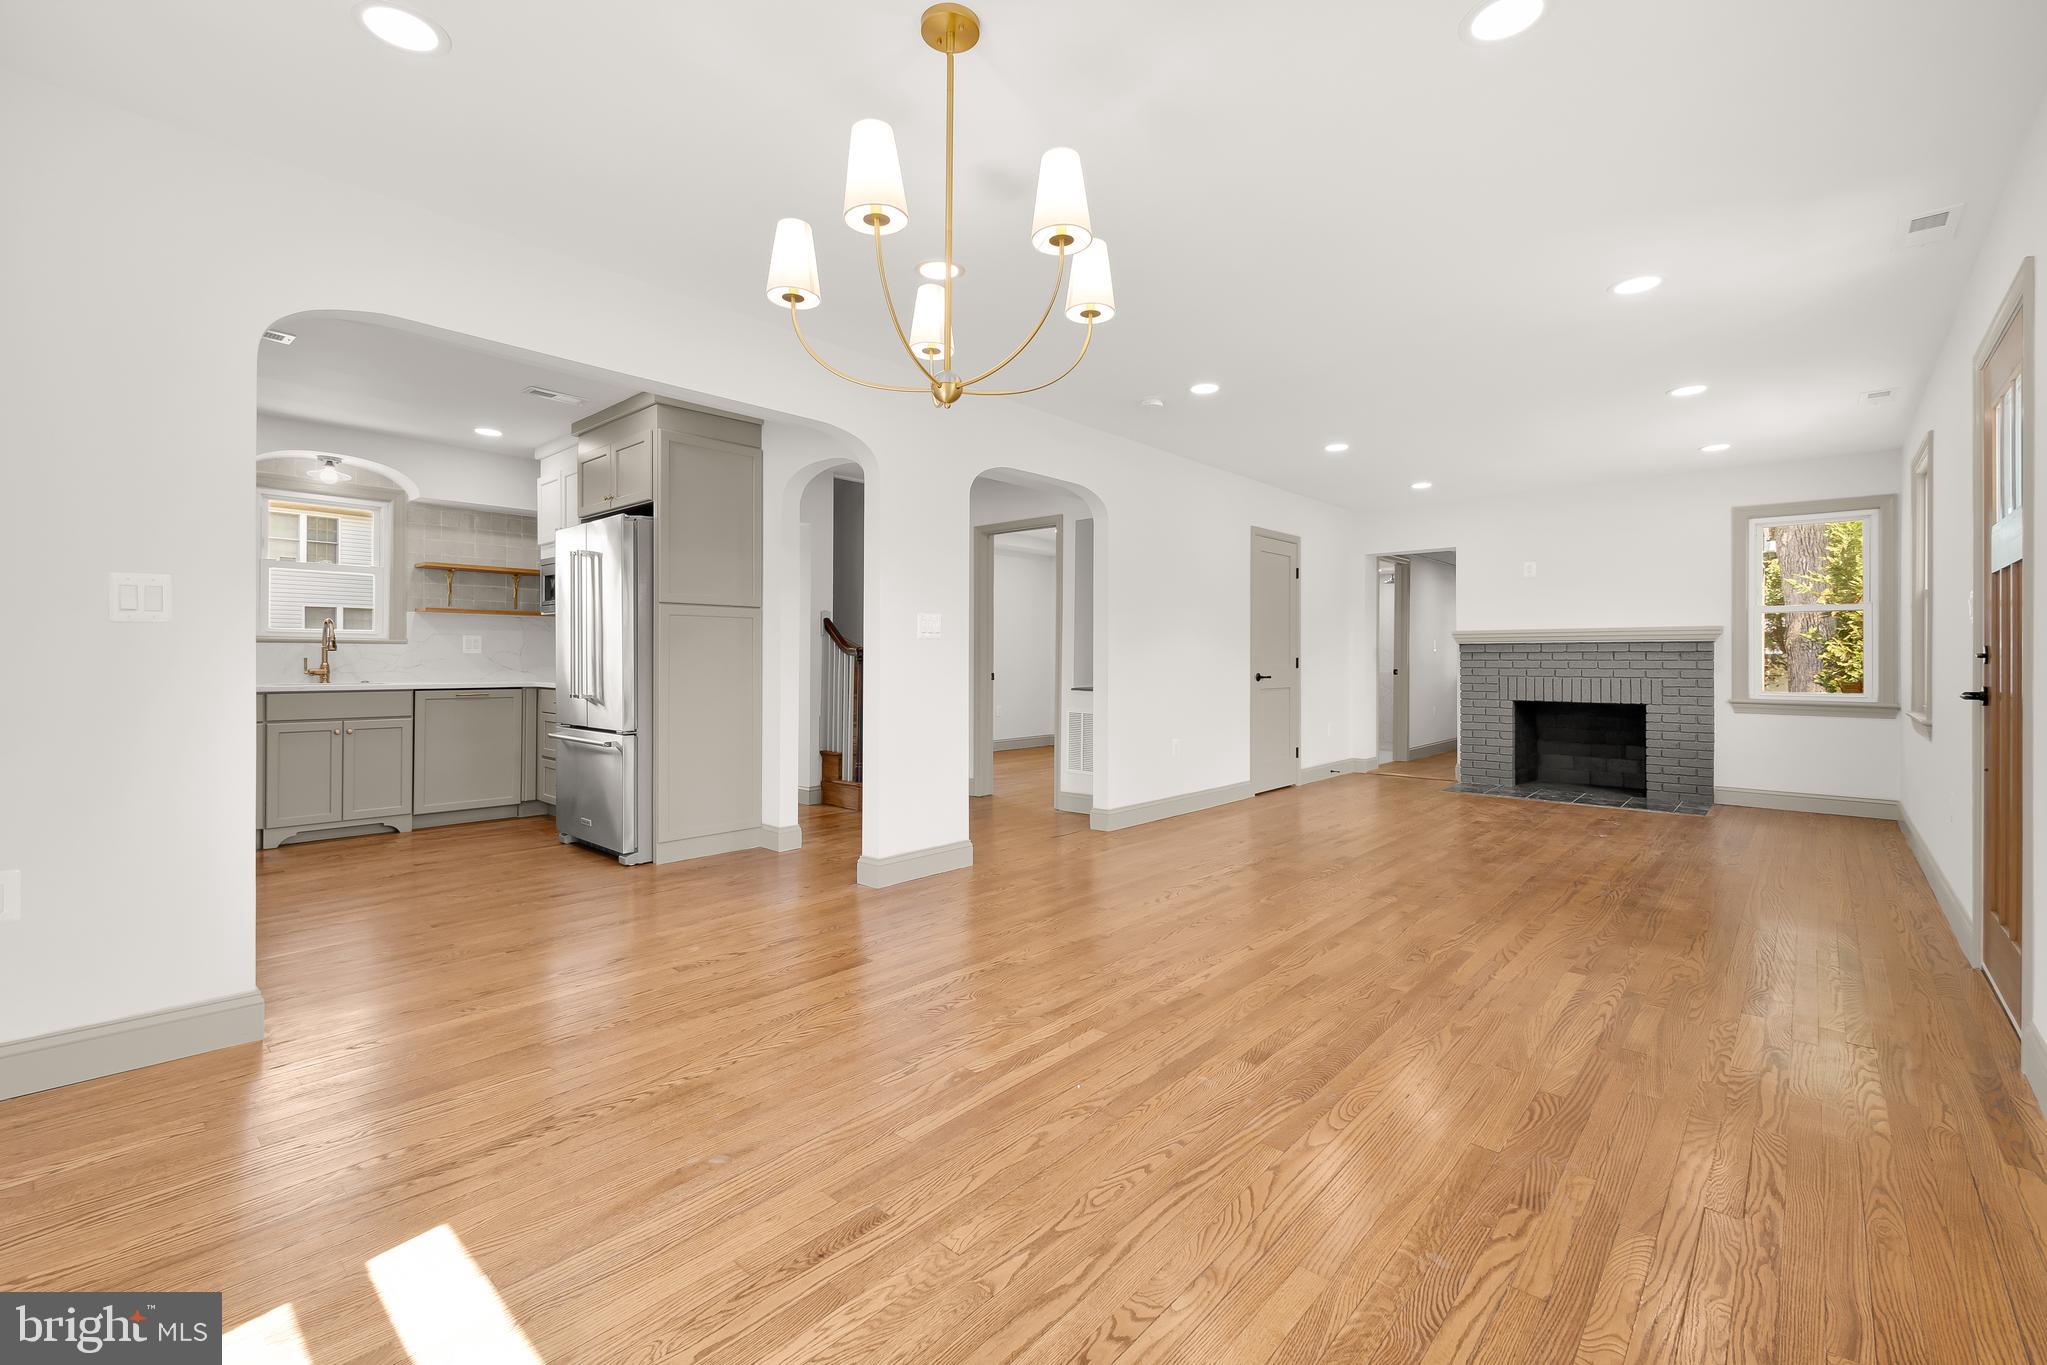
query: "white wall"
431, 472
1431, 652
1657, 552
229, 245
1940, 764
815, 572
1026, 638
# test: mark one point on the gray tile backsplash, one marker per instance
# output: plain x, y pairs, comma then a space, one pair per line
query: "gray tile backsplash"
462, 535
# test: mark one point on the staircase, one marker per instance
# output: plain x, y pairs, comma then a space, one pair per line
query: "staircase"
838, 720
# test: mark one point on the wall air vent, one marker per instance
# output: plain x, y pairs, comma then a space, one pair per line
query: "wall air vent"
1937, 226
1878, 396
551, 395
281, 338
1080, 741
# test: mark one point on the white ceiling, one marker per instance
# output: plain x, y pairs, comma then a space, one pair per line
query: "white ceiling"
1362, 226
426, 386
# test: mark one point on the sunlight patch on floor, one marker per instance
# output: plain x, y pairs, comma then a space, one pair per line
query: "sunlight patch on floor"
444, 1307
272, 1339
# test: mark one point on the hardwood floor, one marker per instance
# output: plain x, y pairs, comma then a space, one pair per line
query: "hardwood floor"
1363, 1071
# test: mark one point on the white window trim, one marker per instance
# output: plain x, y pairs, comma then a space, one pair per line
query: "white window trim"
1879, 622
389, 504
1919, 702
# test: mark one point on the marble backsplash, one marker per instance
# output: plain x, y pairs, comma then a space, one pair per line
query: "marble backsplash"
517, 651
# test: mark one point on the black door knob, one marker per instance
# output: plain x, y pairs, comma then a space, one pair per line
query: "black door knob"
1979, 695
1260, 677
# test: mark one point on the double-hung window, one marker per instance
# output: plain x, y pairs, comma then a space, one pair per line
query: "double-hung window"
323, 558
1813, 616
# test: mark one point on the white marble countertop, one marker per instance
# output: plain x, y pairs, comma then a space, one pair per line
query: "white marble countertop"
410, 685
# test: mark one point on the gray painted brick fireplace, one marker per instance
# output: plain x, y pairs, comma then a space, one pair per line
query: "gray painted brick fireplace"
1667, 673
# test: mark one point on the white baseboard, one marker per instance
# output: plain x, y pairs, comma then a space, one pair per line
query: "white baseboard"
774, 838
80, 1054
1441, 746
1073, 803
896, 868
2033, 1060
1951, 905
1024, 742
1336, 767
1166, 807
1812, 803
810, 796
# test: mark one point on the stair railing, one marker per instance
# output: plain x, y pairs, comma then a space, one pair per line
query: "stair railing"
838, 701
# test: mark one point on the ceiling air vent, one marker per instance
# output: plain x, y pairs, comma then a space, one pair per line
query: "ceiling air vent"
281, 338
552, 395
1877, 396
1937, 226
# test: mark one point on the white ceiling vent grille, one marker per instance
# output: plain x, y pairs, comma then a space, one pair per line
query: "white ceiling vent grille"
1878, 396
281, 338
551, 395
1080, 741
1937, 226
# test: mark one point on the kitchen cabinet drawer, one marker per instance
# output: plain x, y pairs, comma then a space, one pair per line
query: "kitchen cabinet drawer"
466, 749
336, 705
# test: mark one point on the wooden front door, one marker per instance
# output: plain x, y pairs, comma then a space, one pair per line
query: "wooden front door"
2001, 392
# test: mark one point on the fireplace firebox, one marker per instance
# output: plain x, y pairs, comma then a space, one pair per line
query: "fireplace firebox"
1581, 744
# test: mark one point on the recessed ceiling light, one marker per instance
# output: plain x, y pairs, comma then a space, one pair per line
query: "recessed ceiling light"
1688, 391
403, 29
1499, 19
488, 431
935, 270
1336, 447
1716, 448
1639, 284
1204, 389
1421, 487
1153, 401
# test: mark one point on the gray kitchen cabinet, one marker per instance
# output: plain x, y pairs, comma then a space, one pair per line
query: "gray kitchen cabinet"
593, 480
545, 746
302, 773
376, 768
709, 710
466, 749
614, 475
708, 522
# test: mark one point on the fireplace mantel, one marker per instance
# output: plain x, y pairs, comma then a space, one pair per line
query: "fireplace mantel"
1602, 634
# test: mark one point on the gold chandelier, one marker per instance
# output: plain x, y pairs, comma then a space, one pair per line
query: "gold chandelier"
876, 205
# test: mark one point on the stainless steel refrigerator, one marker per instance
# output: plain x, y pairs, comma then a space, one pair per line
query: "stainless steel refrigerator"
604, 685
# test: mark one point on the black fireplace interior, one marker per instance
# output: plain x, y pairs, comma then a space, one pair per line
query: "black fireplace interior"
1581, 744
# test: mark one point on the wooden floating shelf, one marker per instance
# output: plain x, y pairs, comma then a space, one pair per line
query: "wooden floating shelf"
451, 569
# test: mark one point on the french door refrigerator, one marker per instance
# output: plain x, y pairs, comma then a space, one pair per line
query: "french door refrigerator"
604, 685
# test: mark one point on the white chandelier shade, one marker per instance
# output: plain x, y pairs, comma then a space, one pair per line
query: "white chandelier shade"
1091, 293
792, 266
927, 322
1062, 204
875, 201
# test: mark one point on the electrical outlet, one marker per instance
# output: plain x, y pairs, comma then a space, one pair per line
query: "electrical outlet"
1528, 569
472, 644
10, 897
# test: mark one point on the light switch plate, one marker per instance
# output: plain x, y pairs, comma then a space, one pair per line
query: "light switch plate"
472, 644
927, 625
10, 897
138, 597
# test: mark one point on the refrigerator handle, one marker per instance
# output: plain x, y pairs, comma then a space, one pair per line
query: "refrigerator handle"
594, 671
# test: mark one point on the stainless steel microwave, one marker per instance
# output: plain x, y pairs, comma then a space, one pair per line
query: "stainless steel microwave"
547, 587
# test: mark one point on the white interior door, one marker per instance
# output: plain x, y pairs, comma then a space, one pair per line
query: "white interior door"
1275, 661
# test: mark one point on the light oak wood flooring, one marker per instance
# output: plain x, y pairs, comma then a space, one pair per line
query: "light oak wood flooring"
1362, 1071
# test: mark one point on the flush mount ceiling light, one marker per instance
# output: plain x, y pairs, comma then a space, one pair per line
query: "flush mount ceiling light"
403, 29
1718, 447
330, 471
487, 431
938, 272
1688, 391
1501, 19
1204, 389
1421, 487
875, 204
1336, 447
1639, 284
